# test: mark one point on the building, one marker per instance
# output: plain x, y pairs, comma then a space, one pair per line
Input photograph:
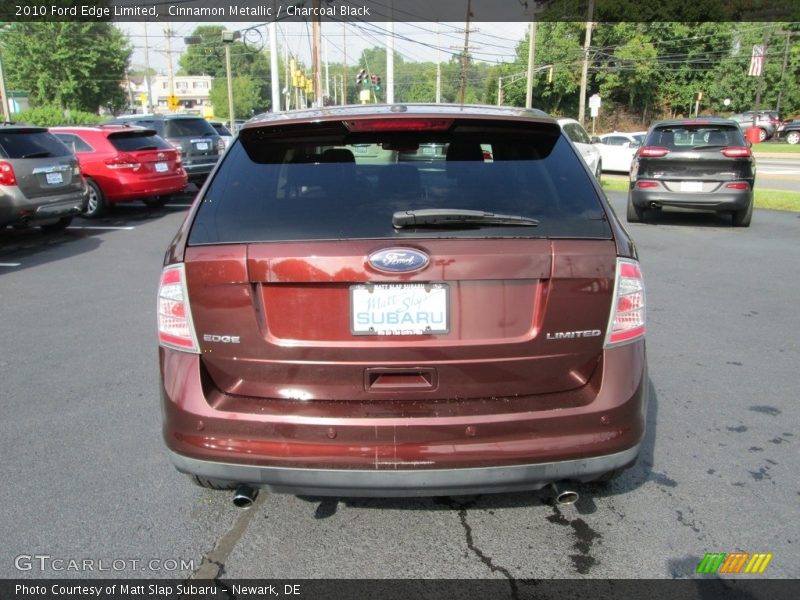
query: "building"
192, 91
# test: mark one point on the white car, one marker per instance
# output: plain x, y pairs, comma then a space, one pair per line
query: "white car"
591, 155
617, 149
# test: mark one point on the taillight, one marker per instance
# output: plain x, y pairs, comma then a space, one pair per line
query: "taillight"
221, 145
737, 151
653, 151
122, 161
647, 184
175, 327
739, 185
626, 322
7, 176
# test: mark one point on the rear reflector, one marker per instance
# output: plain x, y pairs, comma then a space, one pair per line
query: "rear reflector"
399, 124
626, 322
175, 327
738, 186
7, 176
737, 151
653, 151
647, 184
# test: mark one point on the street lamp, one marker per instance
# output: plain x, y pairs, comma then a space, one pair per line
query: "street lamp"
228, 38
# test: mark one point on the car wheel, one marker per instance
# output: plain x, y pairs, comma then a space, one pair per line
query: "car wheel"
635, 214
742, 218
155, 201
762, 135
599, 172
97, 202
212, 484
793, 137
59, 225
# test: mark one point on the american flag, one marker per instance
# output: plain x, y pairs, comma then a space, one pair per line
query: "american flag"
757, 62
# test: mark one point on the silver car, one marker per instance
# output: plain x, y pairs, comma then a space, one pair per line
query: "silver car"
763, 121
40, 182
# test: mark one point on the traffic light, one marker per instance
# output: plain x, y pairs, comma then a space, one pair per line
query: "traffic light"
377, 83
361, 77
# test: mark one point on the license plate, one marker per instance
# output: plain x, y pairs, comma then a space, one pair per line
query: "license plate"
691, 186
399, 309
361, 149
201, 145
427, 150
53, 178
161, 167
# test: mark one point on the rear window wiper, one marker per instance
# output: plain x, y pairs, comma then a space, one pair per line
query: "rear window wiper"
454, 217
44, 154
148, 148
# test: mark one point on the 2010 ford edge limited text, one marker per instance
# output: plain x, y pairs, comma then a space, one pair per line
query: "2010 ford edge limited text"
402, 300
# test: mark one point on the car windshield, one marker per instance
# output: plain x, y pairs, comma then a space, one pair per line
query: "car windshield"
694, 136
350, 185
187, 127
31, 144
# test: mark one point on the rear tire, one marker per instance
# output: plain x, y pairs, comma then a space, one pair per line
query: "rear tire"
742, 218
97, 202
793, 137
634, 213
59, 225
155, 201
212, 484
762, 135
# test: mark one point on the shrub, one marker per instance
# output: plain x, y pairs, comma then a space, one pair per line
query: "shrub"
50, 116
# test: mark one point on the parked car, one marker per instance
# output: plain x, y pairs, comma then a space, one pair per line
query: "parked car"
124, 163
617, 149
789, 131
700, 164
591, 155
452, 327
40, 181
223, 132
199, 143
766, 122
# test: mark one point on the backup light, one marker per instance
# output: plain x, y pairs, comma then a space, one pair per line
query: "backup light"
627, 319
175, 327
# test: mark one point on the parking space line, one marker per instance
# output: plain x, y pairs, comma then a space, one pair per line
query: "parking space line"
99, 227
10, 264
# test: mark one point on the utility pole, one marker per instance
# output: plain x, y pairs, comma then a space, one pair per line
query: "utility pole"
275, 80
4, 94
463, 87
315, 58
531, 58
585, 69
390, 60
170, 75
500, 91
227, 41
327, 69
344, 64
147, 70
438, 67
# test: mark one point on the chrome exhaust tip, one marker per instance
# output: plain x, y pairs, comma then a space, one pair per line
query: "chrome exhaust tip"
563, 496
244, 496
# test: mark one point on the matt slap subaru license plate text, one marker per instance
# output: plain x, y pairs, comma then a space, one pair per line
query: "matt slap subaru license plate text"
399, 309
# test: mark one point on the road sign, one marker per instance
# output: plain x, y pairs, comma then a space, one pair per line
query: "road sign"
594, 111
172, 102
594, 101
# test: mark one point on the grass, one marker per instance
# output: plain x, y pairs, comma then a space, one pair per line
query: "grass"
770, 199
778, 148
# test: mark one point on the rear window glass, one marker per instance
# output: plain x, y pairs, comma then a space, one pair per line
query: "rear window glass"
277, 184
694, 137
221, 129
39, 144
186, 127
129, 141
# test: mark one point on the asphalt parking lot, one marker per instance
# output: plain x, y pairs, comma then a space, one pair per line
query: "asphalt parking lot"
86, 477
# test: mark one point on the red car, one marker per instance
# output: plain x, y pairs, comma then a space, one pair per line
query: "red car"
337, 322
123, 163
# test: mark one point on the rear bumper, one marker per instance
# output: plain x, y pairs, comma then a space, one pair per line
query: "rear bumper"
138, 187
727, 200
393, 449
200, 167
17, 208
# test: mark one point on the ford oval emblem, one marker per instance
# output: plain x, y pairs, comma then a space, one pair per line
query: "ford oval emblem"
398, 260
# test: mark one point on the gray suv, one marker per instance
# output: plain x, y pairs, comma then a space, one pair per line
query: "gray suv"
40, 182
764, 122
199, 143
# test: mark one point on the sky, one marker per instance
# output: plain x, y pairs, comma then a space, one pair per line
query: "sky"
415, 42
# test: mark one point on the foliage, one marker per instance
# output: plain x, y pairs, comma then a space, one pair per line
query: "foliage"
74, 66
246, 97
51, 116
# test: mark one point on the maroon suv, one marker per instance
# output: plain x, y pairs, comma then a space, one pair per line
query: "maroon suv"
335, 319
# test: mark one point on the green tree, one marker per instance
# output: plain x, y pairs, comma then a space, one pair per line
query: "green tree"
75, 66
246, 98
